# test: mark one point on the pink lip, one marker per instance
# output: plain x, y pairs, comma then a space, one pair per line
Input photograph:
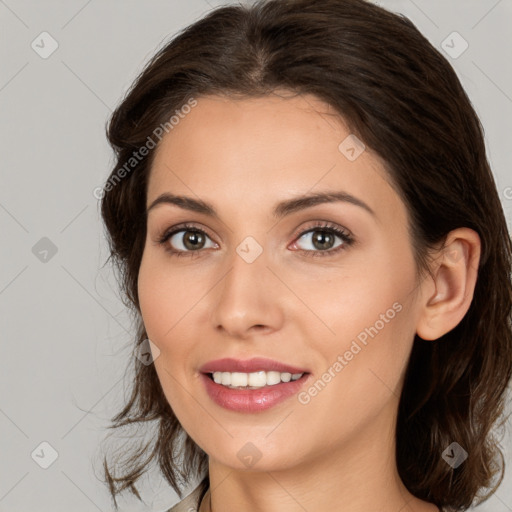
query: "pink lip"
252, 400
251, 365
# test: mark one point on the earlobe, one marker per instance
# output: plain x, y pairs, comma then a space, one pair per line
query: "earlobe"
454, 274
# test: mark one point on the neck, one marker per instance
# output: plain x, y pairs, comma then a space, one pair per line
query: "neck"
356, 477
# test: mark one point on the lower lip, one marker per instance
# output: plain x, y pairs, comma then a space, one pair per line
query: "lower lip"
252, 400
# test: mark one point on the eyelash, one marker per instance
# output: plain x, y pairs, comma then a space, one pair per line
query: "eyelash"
346, 237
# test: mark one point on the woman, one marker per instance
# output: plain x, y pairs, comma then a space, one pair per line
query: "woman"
308, 230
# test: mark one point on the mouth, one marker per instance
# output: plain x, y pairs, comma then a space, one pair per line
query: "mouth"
252, 392
253, 380
251, 385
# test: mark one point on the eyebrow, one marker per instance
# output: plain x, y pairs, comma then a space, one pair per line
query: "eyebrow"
282, 209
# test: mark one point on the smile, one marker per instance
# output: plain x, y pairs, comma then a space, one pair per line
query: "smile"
252, 399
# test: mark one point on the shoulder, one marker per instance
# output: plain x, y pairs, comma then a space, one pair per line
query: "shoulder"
189, 503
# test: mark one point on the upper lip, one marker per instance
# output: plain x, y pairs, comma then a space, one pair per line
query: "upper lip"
250, 365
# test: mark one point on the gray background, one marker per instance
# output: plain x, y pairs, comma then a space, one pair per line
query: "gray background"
65, 333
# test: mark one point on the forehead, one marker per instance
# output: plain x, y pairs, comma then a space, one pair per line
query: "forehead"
262, 149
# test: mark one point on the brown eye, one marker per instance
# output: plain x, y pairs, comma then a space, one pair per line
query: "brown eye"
191, 240
323, 239
186, 239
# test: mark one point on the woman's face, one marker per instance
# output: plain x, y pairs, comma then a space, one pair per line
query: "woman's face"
269, 281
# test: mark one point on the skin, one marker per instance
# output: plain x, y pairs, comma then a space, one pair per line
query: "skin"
337, 451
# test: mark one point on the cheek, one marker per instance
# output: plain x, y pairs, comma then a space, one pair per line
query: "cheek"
371, 316
159, 304
161, 309
163, 293
149, 297
170, 305
344, 305
362, 375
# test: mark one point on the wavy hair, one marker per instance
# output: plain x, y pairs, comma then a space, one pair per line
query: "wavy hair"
403, 99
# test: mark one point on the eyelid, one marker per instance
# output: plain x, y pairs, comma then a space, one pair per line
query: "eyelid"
319, 225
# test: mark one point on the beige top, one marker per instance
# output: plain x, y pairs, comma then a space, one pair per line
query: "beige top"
189, 503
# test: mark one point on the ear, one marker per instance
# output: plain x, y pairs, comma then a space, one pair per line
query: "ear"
449, 295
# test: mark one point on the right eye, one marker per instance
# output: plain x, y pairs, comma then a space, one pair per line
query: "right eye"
185, 239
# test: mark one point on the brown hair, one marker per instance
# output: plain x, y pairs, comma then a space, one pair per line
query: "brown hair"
400, 96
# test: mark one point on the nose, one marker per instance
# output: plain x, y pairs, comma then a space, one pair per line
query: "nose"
247, 301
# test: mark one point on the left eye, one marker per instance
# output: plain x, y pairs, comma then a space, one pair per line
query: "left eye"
322, 239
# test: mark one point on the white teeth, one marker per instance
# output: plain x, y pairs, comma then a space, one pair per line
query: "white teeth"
273, 378
257, 379
253, 380
238, 379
